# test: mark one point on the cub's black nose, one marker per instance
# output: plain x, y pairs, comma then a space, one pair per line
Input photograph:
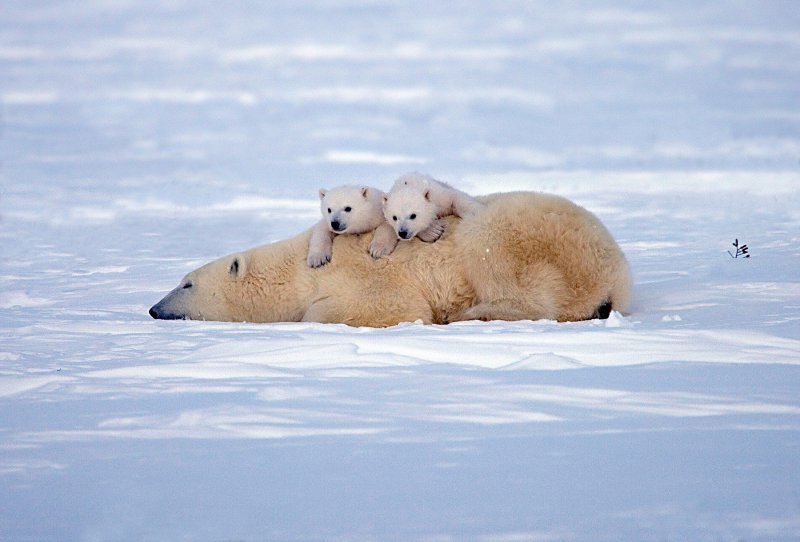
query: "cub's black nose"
336, 226
403, 234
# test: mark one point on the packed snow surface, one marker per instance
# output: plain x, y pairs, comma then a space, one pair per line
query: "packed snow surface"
139, 140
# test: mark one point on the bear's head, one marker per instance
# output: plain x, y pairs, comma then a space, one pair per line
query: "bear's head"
208, 293
351, 209
409, 209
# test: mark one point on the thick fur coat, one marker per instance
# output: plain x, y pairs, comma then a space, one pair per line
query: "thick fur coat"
525, 256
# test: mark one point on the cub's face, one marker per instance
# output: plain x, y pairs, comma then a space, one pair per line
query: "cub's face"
350, 209
409, 210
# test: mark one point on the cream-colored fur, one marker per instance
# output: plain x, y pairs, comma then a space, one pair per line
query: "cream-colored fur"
349, 210
525, 256
416, 203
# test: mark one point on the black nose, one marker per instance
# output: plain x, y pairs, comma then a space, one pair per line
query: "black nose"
161, 314
336, 226
403, 234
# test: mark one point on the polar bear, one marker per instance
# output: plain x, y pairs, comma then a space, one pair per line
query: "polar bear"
525, 256
416, 202
349, 210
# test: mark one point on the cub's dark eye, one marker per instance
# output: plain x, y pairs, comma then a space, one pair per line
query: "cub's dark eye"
413, 216
348, 209
394, 218
329, 209
187, 285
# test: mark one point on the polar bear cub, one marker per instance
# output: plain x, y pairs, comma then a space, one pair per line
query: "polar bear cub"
416, 203
349, 210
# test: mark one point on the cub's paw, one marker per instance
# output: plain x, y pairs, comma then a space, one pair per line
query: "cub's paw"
318, 259
432, 232
379, 248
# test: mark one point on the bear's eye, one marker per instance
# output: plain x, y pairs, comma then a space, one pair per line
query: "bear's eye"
348, 209
413, 216
329, 210
394, 218
187, 285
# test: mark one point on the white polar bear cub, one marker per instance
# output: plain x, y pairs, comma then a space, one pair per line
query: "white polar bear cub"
349, 210
417, 201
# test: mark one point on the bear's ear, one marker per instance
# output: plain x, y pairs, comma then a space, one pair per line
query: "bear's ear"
385, 199
364, 191
238, 267
427, 195
322, 193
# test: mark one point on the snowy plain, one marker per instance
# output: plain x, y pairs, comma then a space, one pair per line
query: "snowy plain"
139, 140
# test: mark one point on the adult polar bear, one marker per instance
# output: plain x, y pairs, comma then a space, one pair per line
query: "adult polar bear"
525, 256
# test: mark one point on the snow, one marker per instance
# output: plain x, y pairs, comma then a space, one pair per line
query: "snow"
139, 140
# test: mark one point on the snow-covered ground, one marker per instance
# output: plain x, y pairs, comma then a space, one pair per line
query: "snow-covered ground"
139, 140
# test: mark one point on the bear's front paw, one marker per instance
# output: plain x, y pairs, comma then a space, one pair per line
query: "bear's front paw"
432, 232
318, 259
476, 313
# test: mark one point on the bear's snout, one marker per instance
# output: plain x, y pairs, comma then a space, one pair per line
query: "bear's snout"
337, 226
403, 234
162, 310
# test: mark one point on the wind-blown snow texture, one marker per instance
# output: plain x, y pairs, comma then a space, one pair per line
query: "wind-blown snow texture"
142, 139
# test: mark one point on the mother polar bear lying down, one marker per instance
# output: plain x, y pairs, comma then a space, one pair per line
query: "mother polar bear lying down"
526, 256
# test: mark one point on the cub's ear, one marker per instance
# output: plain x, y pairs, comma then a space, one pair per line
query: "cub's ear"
322, 193
427, 195
385, 199
237, 267
364, 191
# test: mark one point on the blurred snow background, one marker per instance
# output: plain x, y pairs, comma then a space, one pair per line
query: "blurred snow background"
139, 140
